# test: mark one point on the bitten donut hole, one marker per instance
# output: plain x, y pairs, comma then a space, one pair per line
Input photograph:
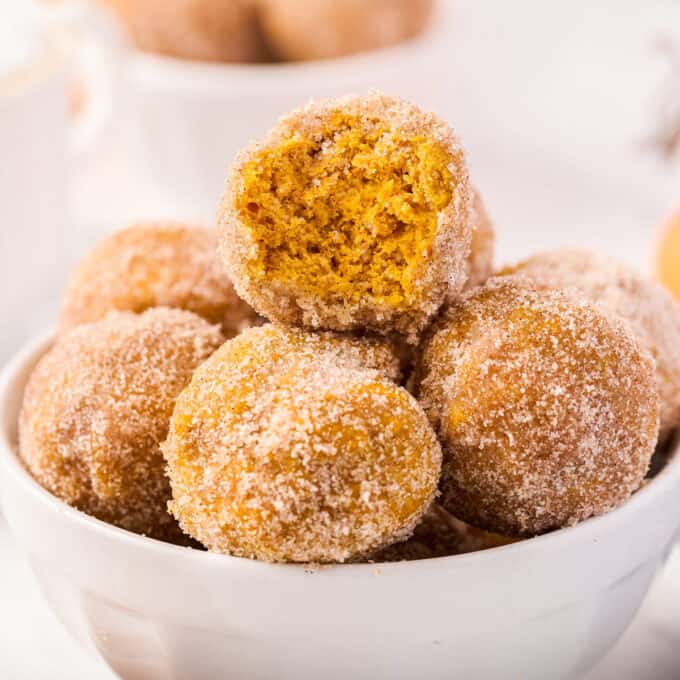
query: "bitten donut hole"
346, 212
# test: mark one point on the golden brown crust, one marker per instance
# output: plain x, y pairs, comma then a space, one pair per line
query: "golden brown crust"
667, 254
97, 407
546, 407
482, 246
651, 311
204, 30
285, 447
154, 264
443, 271
320, 29
440, 534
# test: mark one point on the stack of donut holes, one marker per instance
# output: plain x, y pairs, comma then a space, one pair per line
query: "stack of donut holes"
335, 374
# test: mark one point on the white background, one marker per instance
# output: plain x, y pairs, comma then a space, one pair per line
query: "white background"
554, 102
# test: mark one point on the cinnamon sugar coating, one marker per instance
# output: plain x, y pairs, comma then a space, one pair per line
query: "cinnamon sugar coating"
351, 214
482, 246
440, 534
281, 345
155, 264
546, 407
286, 451
203, 30
651, 311
97, 407
319, 29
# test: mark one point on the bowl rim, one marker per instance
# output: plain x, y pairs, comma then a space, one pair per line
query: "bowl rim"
173, 74
588, 530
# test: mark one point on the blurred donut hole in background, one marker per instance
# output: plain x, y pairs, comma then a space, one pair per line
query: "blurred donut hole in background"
269, 30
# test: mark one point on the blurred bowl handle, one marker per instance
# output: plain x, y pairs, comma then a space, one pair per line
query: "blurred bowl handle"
98, 47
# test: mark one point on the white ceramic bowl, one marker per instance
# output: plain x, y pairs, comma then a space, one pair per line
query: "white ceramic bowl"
546, 607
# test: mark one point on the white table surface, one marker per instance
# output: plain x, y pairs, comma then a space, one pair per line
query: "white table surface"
553, 102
